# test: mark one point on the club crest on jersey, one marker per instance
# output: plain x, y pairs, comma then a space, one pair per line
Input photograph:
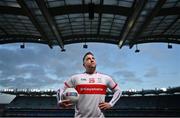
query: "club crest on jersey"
99, 80
91, 80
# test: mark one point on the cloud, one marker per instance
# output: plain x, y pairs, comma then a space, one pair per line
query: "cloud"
110, 58
159, 51
15, 64
127, 76
151, 72
38, 66
31, 82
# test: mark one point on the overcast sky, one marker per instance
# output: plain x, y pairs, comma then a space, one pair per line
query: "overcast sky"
38, 66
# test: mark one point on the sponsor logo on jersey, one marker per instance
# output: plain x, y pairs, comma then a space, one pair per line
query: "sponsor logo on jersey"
91, 89
83, 79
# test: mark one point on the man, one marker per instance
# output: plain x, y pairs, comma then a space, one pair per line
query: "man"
91, 87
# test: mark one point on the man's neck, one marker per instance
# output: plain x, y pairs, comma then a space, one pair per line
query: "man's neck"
91, 71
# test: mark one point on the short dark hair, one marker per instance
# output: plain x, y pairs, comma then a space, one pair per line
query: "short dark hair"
87, 54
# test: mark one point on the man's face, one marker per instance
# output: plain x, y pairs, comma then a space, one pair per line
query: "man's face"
89, 61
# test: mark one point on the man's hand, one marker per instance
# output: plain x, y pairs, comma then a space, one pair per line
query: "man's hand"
66, 104
104, 106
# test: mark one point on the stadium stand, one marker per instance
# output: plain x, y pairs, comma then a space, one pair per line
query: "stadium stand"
2, 107
161, 103
33, 102
164, 105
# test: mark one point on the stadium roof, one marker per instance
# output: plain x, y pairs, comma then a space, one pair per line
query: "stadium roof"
62, 22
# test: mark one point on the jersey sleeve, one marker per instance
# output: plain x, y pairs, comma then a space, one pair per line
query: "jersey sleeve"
111, 84
115, 88
69, 83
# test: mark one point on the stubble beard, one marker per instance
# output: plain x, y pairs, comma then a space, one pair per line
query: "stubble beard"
91, 69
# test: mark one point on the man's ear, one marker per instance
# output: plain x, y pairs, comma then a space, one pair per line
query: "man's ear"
83, 65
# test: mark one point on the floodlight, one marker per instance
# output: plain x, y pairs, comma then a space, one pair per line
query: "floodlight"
85, 46
169, 46
137, 50
22, 46
63, 50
